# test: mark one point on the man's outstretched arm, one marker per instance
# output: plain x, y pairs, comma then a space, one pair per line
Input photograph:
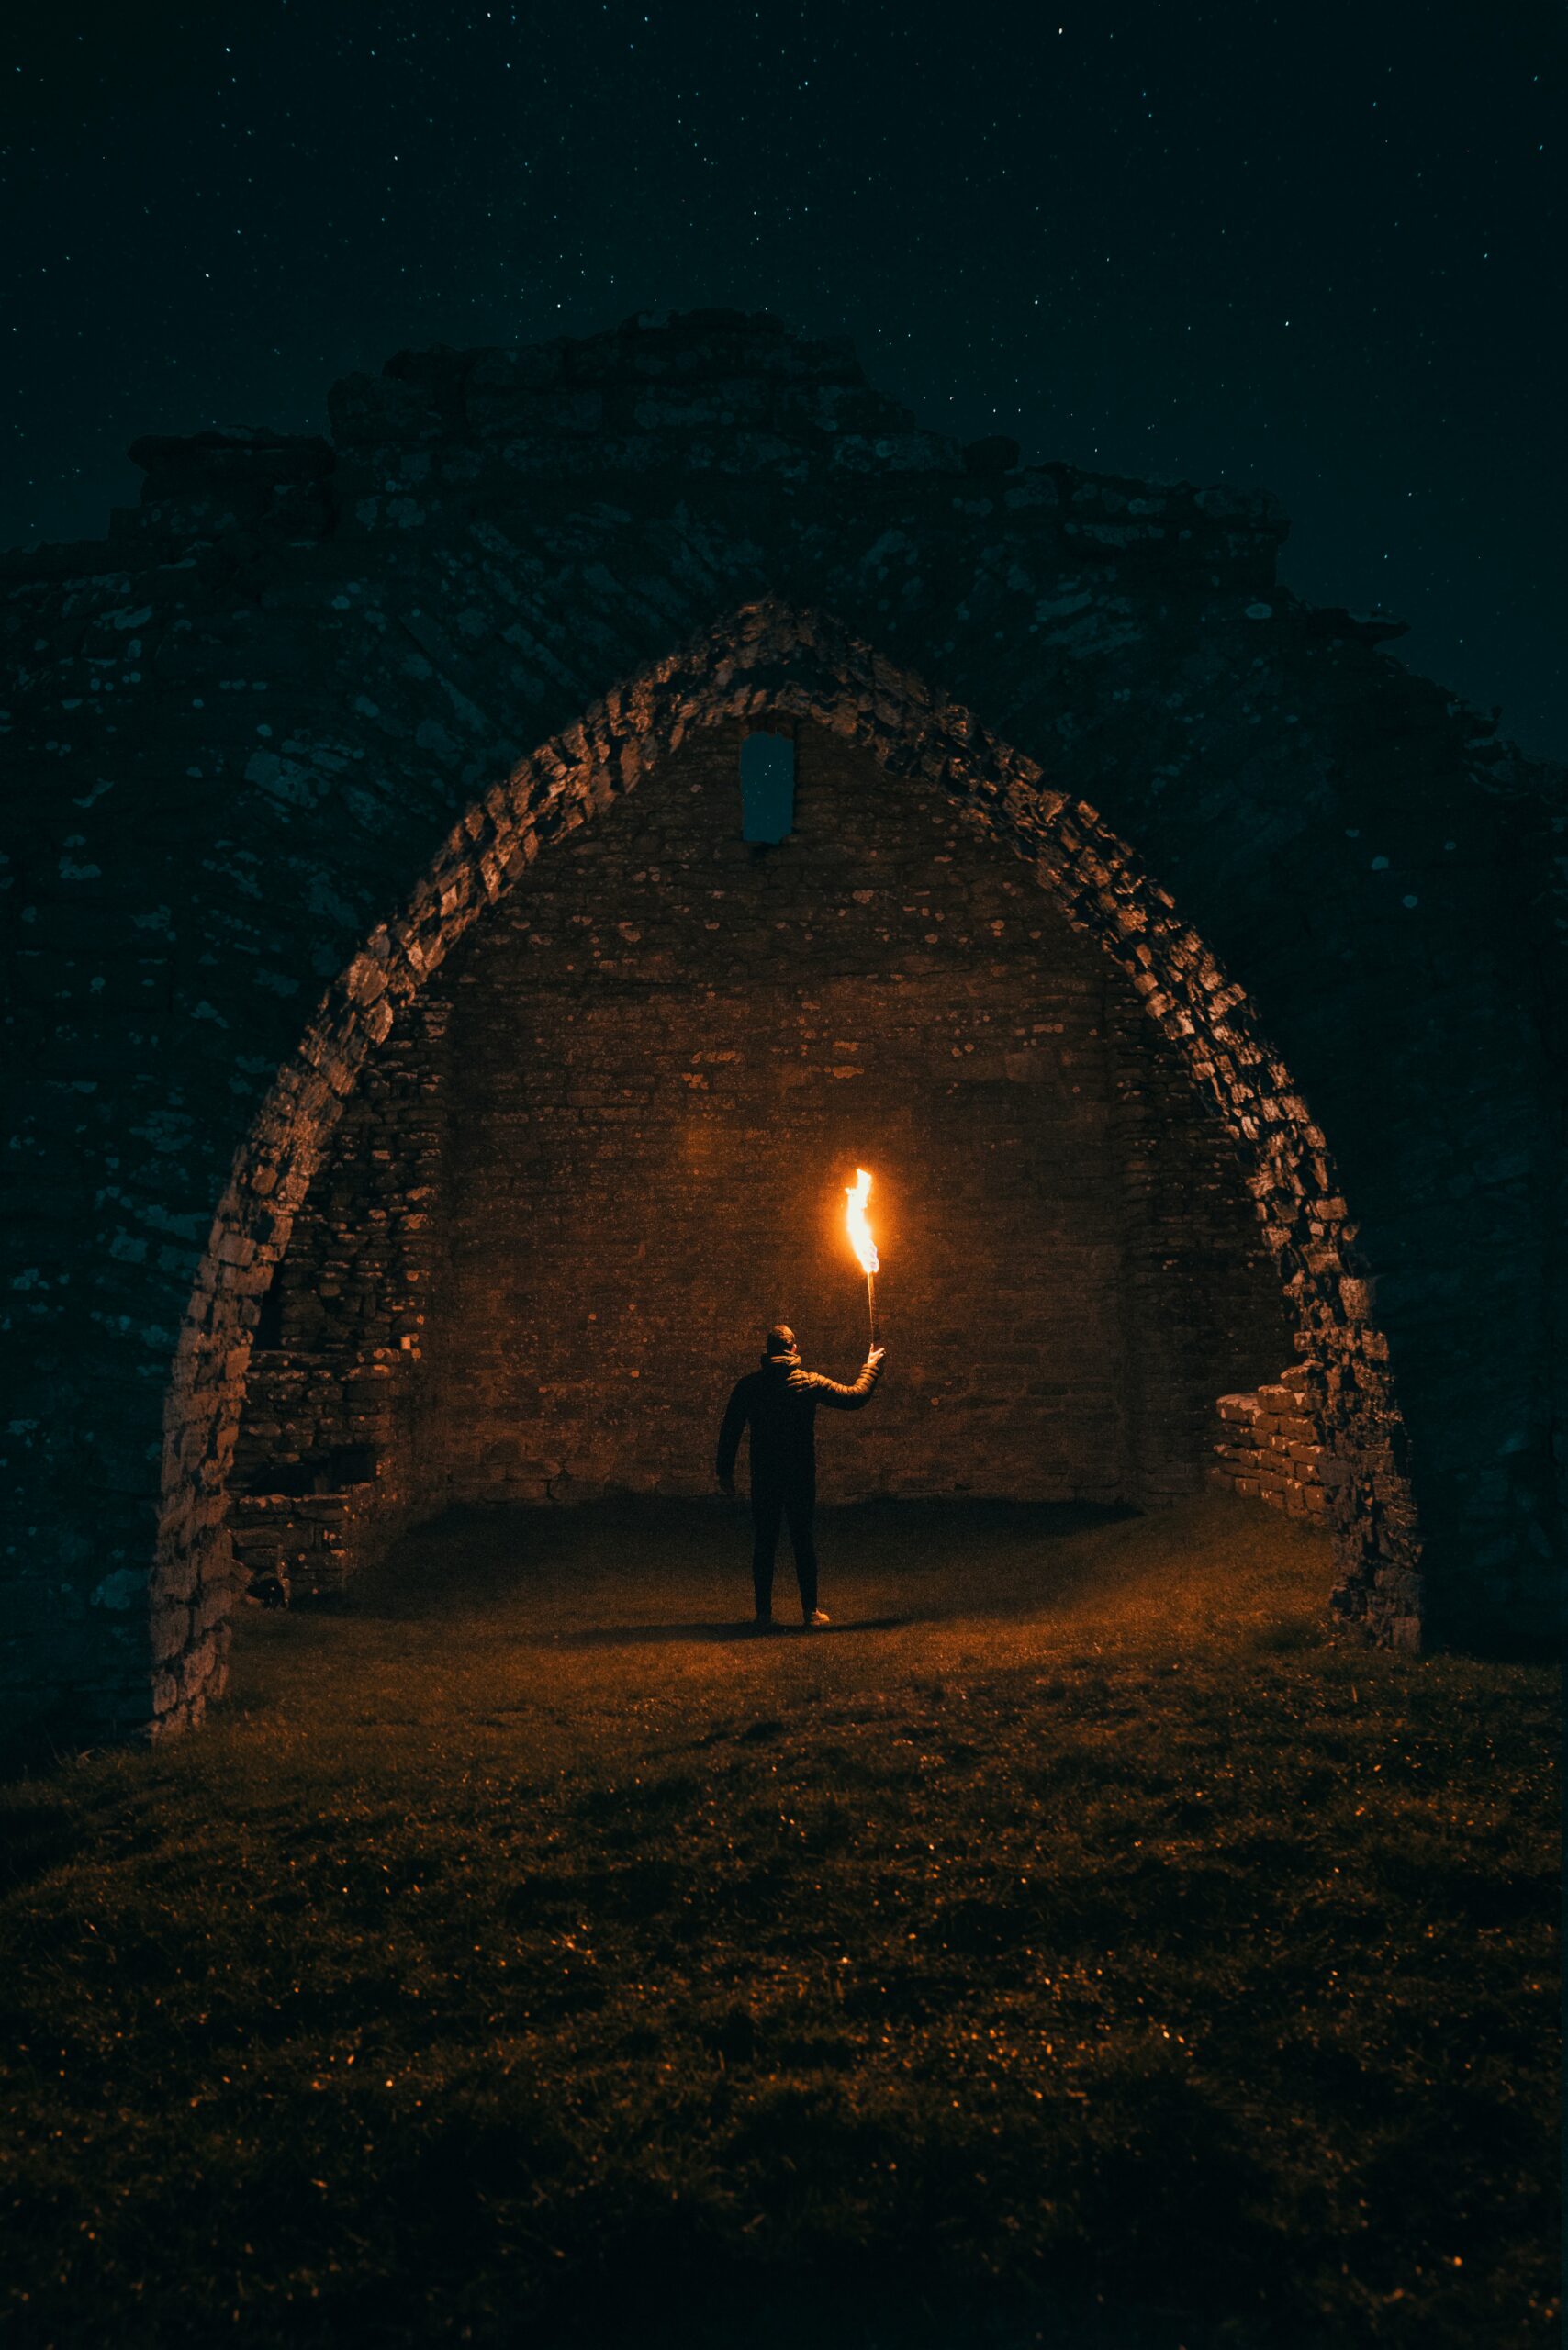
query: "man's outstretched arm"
850, 1399
730, 1433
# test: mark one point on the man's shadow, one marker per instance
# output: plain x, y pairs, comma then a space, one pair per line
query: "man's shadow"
741, 1634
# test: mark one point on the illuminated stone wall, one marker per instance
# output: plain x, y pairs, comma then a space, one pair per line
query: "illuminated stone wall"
326, 1463
1271, 1444
653, 1066
667, 1054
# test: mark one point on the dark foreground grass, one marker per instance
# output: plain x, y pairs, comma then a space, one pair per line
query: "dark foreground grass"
1069, 1946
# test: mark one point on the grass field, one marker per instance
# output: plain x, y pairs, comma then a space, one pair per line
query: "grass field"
1068, 1946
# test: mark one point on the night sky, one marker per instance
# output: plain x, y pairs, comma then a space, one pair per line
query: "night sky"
1319, 249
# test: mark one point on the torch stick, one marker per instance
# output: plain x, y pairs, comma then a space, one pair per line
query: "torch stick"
872, 1304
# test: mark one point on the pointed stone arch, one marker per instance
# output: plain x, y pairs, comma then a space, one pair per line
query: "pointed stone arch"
769, 658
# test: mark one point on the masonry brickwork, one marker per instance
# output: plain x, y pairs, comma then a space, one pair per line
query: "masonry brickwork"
310, 711
327, 1467
670, 1051
654, 1069
1271, 1445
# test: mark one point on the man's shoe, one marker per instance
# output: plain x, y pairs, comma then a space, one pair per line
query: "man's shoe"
816, 1618
763, 1624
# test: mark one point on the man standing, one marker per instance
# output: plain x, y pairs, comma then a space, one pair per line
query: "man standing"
779, 1404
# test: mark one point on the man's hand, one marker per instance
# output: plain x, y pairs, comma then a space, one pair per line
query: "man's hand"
727, 1487
875, 1356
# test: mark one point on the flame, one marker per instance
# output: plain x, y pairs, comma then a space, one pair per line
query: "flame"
860, 1239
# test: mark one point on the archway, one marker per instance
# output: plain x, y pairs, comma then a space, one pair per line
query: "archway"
801, 666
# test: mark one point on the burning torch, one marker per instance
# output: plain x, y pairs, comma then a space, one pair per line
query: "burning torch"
860, 1239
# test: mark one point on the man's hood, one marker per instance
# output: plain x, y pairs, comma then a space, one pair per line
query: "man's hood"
783, 1363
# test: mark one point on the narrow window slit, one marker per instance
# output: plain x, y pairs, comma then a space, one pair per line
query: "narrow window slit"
767, 789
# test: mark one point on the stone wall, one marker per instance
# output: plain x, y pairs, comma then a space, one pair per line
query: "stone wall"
1270, 1446
668, 1051
328, 1468
281, 736
655, 1064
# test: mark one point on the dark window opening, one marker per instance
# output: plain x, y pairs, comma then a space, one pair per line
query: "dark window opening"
319, 1473
269, 1319
767, 789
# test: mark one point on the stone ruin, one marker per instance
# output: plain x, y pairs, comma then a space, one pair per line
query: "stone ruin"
1270, 1446
422, 1087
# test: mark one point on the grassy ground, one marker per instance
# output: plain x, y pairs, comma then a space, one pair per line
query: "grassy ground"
1068, 1946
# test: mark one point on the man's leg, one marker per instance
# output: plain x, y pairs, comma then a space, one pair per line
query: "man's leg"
767, 1509
801, 1504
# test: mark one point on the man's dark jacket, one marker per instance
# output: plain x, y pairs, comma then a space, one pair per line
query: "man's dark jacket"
779, 1404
